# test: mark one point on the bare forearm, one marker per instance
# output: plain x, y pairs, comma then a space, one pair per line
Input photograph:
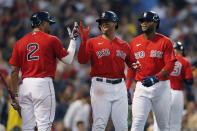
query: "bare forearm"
164, 73
83, 56
14, 79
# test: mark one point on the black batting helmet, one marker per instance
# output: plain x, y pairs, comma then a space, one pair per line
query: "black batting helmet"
179, 46
108, 16
38, 17
150, 16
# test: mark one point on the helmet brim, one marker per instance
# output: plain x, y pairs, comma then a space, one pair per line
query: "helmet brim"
51, 22
103, 19
144, 19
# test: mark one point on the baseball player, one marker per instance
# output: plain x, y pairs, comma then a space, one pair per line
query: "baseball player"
180, 77
108, 55
156, 56
35, 55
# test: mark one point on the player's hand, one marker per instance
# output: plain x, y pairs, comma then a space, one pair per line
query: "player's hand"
75, 31
84, 32
136, 66
149, 81
15, 104
129, 97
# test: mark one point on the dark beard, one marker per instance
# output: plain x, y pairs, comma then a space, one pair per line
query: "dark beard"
148, 31
48, 32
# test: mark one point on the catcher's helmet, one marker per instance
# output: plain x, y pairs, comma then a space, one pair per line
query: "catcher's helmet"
38, 17
150, 16
108, 16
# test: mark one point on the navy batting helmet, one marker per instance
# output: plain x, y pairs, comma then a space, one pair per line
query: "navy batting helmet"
38, 17
108, 16
150, 16
179, 46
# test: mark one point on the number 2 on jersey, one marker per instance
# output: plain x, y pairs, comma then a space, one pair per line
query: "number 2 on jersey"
32, 48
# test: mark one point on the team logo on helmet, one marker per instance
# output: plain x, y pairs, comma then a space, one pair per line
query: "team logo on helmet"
108, 16
103, 14
145, 14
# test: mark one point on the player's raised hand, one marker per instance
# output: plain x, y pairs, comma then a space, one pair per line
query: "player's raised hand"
84, 32
75, 31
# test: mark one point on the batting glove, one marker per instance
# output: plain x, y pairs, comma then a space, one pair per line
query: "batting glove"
75, 32
149, 81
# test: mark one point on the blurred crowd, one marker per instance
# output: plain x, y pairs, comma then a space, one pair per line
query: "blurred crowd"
72, 82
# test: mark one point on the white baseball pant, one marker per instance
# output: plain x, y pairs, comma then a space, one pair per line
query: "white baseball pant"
37, 101
176, 111
109, 99
157, 98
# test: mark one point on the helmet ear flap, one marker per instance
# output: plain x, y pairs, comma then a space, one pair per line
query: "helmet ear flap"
35, 20
99, 26
39, 17
116, 27
156, 19
157, 25
150, 16
38, 22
